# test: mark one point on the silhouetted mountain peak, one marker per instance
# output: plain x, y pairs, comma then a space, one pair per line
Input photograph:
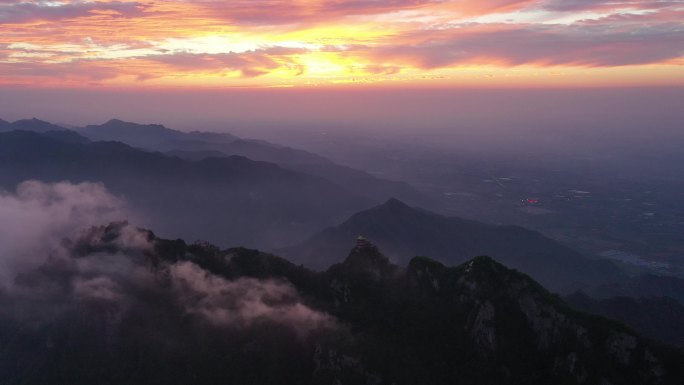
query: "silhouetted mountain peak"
366, 251
485, 265
113, 121
479, 275
403, 232
390, 216
31, 121
366, 258
118, 123
397, 212
363, 243
488, 275
395, 204
35, 124
157, 136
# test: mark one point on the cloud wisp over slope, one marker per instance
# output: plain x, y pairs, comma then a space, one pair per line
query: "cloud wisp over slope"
59, 255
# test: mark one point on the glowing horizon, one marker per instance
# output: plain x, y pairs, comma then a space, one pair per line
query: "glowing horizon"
322, 43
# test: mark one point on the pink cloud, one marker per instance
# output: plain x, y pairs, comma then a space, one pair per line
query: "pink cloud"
279, 12
244, 301
12, 12
549, 45
250, 63
587, 5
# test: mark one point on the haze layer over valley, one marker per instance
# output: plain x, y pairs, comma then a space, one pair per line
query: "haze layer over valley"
87, 295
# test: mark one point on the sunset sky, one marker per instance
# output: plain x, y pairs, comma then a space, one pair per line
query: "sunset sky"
319, 43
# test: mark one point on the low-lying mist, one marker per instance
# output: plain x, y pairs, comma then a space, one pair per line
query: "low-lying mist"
61, 260
37, 216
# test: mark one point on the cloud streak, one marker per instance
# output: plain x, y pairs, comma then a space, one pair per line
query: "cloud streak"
245, 301
538, 45
273, 42
13, 12
249, 64
603, 5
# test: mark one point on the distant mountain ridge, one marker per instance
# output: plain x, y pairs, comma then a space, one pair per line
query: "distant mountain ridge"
228, 200
196, 145
151, 136
403, 232
33, 124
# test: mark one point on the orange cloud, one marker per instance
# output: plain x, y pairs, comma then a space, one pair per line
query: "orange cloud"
15, 12
300, 42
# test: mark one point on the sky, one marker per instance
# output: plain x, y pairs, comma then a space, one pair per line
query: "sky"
135, 45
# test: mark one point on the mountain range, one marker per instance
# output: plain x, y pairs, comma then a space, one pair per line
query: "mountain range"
123, 306
403, 232
235, 200
226, 200
116, 304
232, 200
198, 145
33, 124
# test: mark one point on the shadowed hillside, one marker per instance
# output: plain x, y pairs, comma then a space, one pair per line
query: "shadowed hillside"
128, 307
198, 145
227, 200
403, 232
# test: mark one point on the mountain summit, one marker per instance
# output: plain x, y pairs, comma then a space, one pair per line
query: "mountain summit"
32, 124
365, 258
134, 308
404, 232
